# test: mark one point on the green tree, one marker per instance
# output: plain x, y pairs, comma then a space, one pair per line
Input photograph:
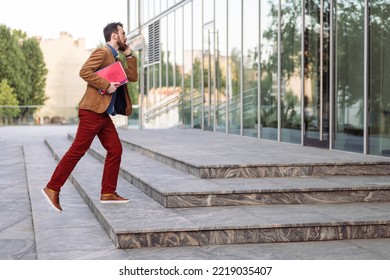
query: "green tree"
8, 98
35, 73
11, 60
379, 57
23, 66
197, 74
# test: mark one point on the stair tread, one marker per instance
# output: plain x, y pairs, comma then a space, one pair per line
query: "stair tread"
143, 214
77, 226
237, 151
186, 184
174, 188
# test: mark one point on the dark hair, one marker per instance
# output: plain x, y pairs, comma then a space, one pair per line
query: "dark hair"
111, 28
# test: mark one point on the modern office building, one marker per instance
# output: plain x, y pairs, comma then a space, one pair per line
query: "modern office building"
313, 72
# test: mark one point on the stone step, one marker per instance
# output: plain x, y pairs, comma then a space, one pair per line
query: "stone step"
173, 188
217, 155
73, 234
145, 223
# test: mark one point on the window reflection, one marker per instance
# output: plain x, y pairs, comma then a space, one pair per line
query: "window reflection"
241, 66
221, 63
171, 53
250, 67
349, 75
209, 39
269, 69
164, 51
197, 63
316, 73
379, 81
187, 65
234, 73
133, 14
179, 59
291, 70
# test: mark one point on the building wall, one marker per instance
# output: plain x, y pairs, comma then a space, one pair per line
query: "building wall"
64, 58
307, 72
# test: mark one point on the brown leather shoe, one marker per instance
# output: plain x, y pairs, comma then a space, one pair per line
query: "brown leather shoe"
112, 198
53, 197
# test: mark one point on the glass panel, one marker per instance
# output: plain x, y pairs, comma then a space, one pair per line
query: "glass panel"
208, 65
151, 9
179, 49
234, 76
147, 73
179, 57
151, 88
208, 10
250, 67
171, 53
208, 77
157, 85
157, 8
221, 63
316, 62
145, 10
269, 69
187, 63
291, 70
197, 63
164, 50
349, 75
379, 78
163, 5
133, 14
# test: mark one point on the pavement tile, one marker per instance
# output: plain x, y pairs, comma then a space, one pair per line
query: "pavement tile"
76, 234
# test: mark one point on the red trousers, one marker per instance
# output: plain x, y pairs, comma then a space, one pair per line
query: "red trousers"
90, 125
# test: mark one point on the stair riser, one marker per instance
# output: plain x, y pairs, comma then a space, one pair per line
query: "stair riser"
234, 199
182, 166
235, 236
252, 236
105, 224
248, 171
296, 171
313, 197
254, 232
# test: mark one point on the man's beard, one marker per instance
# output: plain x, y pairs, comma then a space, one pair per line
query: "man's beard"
121, 46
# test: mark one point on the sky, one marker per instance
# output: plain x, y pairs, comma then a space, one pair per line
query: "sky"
47, 18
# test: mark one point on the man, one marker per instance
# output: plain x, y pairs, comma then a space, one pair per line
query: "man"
100, 100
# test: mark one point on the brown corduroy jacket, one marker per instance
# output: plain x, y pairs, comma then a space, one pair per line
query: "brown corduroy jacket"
93, 100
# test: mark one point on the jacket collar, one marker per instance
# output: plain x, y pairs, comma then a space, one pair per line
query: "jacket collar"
114, 51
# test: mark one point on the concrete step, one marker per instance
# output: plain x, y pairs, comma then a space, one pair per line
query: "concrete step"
216, 155
73, 234
17, 240
145, 223
172, 188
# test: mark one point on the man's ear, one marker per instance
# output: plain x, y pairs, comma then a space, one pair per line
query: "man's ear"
113, 35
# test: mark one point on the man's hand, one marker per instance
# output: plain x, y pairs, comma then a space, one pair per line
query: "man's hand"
128, 51
112, 88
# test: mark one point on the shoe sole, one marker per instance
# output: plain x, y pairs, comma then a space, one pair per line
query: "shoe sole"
114, 201
48, 200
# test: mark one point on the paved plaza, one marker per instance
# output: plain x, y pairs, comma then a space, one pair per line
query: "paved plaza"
31, 230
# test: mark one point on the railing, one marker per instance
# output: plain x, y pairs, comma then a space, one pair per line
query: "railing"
167, 104
49, 115
173, 102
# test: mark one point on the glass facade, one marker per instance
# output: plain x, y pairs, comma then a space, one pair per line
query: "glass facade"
378, 75
349, 75
309, 72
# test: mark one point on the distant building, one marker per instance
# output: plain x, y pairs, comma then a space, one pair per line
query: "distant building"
64, 58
